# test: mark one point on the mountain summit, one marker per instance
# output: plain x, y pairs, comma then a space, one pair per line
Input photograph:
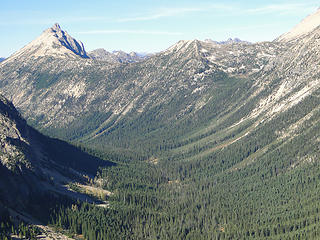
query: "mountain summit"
53, 42
306, 26
66, 40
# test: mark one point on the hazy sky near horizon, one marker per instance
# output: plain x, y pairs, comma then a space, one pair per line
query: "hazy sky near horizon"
148, 25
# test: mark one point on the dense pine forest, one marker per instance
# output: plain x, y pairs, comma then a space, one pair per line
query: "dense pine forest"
259, 187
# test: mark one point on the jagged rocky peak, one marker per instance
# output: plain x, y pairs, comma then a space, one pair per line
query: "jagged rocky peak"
69, 42
134, 54
305, 27
56, 27
53, 42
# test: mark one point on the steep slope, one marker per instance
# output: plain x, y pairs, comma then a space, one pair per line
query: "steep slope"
305, 27
294, 75
33, 165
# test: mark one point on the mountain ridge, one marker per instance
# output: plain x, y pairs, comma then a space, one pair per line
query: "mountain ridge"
198, 60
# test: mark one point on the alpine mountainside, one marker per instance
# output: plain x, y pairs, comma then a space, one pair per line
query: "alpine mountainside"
33, 165
216, 140
85, 100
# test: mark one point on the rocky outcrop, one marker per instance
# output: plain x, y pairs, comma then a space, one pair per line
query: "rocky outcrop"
32, 164
68, 41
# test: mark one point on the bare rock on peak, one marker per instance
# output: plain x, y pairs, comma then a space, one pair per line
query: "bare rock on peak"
69, 42
53, 42
56, 26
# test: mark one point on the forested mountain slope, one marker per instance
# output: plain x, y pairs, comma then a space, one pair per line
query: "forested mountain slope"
216, 141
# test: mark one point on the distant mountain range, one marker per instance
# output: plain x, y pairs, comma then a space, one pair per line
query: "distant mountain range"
229, 41
116, 56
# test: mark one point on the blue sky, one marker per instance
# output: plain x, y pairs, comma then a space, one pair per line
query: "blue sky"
148, 25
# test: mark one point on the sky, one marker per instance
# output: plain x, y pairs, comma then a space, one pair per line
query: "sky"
148, 25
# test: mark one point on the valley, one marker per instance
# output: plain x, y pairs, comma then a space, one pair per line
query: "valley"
204, 140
